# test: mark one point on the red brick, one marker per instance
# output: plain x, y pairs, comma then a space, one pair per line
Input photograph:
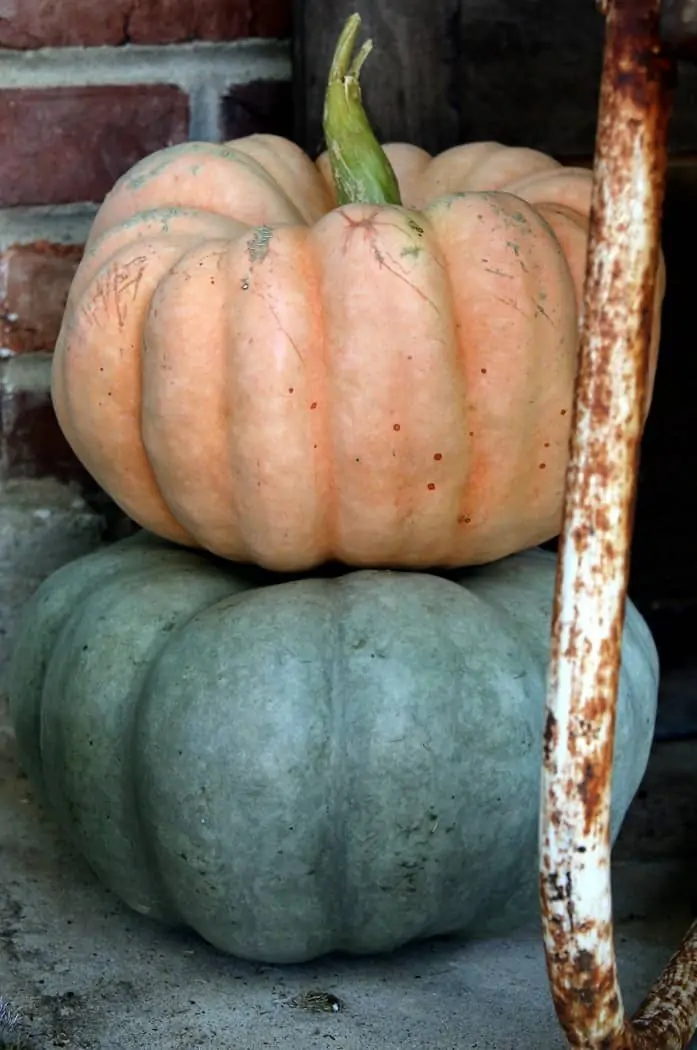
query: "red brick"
71, 144
31, 442
34, 284
58, 23
262, 106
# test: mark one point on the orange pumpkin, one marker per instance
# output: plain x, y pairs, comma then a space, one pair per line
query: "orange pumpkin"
247, 367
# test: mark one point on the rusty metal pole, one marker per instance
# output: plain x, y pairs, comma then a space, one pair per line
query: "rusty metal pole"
630, 170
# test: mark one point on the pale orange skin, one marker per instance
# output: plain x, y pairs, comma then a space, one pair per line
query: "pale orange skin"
383, 386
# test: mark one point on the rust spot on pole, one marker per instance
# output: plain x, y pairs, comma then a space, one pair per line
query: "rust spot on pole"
617, 328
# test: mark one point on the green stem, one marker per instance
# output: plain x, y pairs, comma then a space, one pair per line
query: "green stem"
362, 172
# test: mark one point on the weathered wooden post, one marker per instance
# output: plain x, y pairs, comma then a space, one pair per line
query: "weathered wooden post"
450, 71
408, 87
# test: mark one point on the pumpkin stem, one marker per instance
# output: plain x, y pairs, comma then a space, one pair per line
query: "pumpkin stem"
362, 172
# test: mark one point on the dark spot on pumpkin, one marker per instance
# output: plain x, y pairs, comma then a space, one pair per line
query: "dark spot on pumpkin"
313, 405
430, 486
397, 426
437, 456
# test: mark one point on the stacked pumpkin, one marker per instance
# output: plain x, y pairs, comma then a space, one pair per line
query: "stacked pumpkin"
370, 361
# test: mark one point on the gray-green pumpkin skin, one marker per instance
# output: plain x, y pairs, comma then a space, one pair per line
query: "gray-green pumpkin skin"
303, 766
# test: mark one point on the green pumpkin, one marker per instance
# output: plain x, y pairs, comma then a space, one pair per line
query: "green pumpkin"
296, 766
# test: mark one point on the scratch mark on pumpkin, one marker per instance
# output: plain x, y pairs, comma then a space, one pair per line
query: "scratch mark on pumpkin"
120, 281
125, 282
413, 225
388, 262
369, 224
513, 304
396, 271
95, 305
274, 313
499, 273
539, 309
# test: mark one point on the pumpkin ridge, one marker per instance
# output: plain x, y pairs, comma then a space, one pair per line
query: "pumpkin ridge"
173, 337
192, 224
338, 768
449, 309
509, 272
566, 186
280, 153
293, 275
35, 650
116, 302
254, 197
273, 183
379, 452
170, 635
322, 392
475, 167
70, 661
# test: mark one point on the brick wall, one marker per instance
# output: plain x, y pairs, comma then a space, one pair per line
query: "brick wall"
86, 89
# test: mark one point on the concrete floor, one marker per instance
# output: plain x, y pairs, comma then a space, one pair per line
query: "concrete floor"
87, 973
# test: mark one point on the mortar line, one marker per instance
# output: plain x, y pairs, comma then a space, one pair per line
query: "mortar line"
184, 65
